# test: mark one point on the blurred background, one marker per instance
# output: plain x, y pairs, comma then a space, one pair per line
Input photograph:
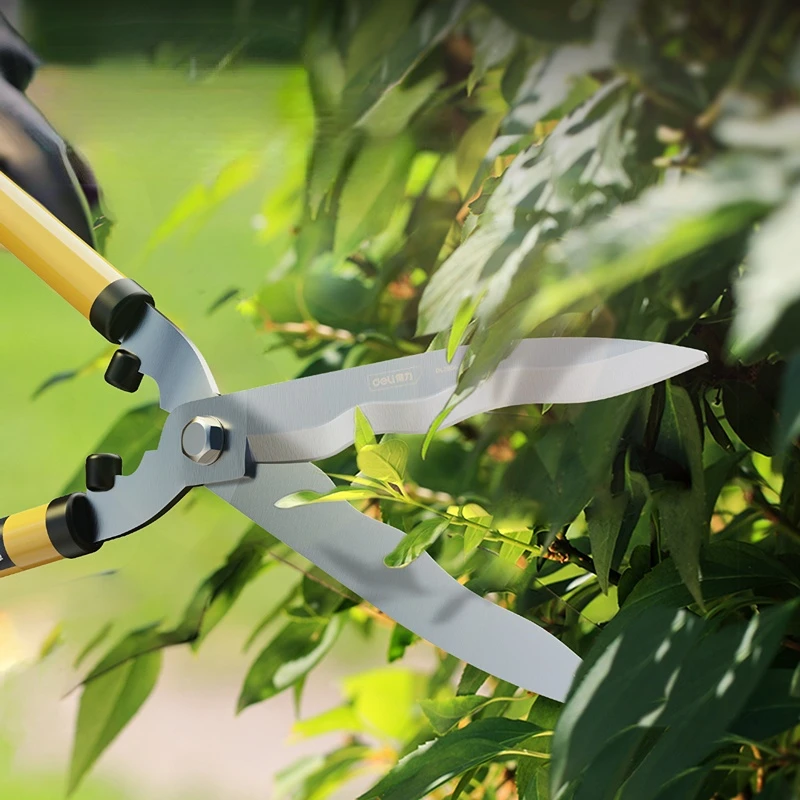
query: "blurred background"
166, 101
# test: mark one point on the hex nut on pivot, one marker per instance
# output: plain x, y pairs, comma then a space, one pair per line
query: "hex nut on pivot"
203, 440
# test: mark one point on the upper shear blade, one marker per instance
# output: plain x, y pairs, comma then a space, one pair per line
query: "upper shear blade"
312, 418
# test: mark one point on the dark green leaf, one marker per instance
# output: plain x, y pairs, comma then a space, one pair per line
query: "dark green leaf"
401, 640
551, 22
771, 709
604, 519
437, 762
471, 680
682, 512
788, 429
296, 650
750, 415
657, 692
790, 491
726, 568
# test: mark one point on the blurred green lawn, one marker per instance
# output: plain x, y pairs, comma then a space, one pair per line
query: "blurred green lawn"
151, 136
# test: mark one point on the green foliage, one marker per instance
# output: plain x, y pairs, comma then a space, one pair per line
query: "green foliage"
481, 174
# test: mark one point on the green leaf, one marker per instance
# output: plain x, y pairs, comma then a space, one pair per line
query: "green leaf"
664, 225
682, 512
790, 491
551, 81
292, 654
373, 188
462, 320
750, 415
474, 513
604, 518
133, 434
770, 287
657, 692
495, 43
437, 762
471, 680
336, 495
324, 596
364, 434
336, 720
108, 703
377, 32
401, 640
771, 709
415, 543
446, 713
726, 568
217, 594
533, 778
550, 22
385, 461
366, 88
788, 429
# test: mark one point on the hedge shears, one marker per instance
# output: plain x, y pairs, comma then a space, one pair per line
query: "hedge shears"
254, 447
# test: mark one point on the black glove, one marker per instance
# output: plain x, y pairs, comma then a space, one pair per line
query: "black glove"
32, 154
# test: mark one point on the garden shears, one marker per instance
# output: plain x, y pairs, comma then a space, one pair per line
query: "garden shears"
254, 447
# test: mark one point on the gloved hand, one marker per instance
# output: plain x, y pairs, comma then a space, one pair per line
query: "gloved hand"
32, 154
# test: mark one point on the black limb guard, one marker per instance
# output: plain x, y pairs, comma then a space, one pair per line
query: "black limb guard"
118, 309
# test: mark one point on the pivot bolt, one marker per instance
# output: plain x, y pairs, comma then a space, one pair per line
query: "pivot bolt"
203, 440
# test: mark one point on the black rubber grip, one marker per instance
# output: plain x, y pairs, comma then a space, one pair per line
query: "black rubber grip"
5, 559
71, 526
117, 310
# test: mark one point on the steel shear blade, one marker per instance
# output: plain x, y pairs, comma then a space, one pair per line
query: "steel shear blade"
254, 447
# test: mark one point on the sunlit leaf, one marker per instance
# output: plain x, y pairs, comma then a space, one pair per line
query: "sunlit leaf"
462, 319
385, 461
771, 285
339, 494
364, 434
670, 687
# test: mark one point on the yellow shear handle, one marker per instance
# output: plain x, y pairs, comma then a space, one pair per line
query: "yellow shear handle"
61, 529
110, 301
